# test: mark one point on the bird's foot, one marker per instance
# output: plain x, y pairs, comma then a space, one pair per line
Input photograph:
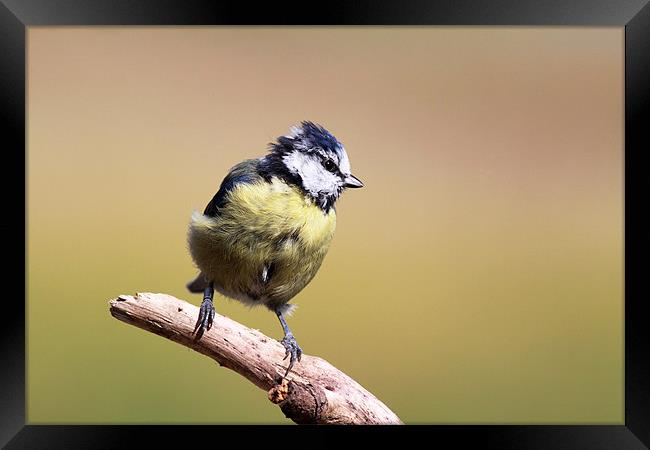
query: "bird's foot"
206, 317
293, 350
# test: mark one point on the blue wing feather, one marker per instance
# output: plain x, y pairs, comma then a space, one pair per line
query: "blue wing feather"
244, 172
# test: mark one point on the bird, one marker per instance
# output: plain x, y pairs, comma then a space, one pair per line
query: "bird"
265, 233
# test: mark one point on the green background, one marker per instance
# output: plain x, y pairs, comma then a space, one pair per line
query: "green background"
477, 278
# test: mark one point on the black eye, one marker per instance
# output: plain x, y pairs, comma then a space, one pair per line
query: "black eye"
329, 165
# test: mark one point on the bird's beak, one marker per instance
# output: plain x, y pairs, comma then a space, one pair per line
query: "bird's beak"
353, 182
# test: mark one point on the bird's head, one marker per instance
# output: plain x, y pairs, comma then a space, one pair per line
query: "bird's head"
316, 161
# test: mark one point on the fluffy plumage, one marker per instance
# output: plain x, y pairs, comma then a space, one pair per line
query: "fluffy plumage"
263, 236
265, 244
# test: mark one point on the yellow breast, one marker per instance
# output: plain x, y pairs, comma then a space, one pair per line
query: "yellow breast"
276, 208
264, 227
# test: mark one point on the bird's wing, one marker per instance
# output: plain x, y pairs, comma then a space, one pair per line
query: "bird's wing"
244, 172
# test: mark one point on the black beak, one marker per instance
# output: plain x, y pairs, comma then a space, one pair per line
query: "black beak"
353, 182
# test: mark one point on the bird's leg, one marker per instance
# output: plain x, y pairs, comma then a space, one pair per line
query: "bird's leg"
206, 313
289, 342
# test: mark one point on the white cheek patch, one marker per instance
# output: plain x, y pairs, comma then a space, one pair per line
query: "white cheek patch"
344, 163
315, 179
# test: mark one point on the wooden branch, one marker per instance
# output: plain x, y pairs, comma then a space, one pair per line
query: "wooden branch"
316, 392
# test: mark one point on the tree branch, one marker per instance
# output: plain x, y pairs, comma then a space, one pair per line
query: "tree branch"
316, 392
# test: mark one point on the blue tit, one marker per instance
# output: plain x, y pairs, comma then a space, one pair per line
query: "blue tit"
266, 231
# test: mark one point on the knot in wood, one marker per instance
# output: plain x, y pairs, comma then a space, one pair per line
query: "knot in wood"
305, 403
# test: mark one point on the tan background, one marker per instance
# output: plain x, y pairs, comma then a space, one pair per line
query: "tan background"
478, 278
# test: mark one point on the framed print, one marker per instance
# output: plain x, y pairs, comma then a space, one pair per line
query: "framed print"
481, 285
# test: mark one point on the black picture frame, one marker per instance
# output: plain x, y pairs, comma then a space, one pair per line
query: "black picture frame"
17, 15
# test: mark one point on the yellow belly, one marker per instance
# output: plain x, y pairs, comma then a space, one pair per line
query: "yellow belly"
267, 229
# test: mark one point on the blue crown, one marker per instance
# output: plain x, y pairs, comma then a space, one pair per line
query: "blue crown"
306, 137
316, 136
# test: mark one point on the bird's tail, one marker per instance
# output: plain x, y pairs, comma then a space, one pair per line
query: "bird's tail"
197, 285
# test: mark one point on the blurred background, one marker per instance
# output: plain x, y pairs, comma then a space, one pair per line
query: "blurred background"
477, 278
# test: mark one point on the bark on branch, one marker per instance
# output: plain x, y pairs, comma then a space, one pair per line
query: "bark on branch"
315, 392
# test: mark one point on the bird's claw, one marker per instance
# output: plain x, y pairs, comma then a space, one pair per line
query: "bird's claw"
206, 317
293, 350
